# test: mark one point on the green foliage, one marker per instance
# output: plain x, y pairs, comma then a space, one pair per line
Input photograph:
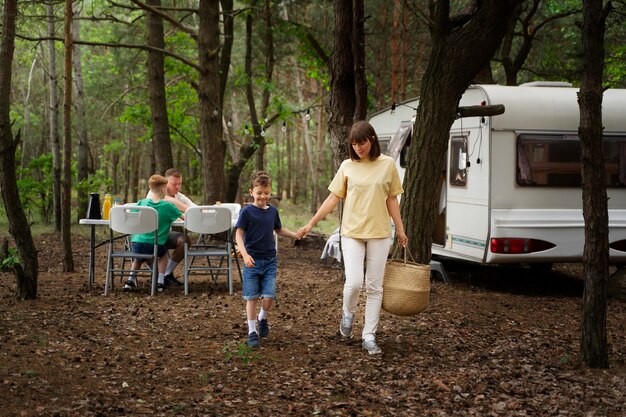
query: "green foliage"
98, 181
615, 66
10, 260
240, 351
35, 186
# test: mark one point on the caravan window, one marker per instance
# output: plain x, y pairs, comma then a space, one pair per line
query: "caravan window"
458, 161
554, 160
383, 141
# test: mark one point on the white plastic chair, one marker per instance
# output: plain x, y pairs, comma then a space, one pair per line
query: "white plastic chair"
209, 220
132, 219
234, 208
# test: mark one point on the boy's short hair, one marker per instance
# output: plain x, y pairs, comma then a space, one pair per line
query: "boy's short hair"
361, 132
260, 178
156, 182
173, 172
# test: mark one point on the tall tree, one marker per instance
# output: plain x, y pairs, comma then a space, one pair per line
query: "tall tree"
55, 141
593, 339
82, 163
209, 83
348, 100
66, 195
463, 42
269, 72
161, 142
26, 271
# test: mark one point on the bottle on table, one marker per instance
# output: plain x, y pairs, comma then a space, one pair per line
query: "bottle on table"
106, 207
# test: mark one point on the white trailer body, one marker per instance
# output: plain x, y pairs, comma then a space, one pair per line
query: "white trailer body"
511, 188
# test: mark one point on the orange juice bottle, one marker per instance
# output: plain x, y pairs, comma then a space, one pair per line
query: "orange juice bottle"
106, 207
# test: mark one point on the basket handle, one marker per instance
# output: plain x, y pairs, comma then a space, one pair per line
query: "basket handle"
404, 258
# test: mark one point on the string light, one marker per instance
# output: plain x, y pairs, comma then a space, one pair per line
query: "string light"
307, 116
284, 127
245, 130
216, 112
229, 123
262, 132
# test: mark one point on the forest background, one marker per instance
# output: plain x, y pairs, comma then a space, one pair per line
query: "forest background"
219, 89
273, 113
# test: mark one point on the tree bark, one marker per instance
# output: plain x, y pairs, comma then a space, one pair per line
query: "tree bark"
26, 272
461, 46
358, 50
342, 91
265, 95
161, 141
82, 164
593, 338
55, 140
211, 142
66, 206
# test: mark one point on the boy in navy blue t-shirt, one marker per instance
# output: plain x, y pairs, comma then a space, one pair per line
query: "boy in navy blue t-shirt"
255, 226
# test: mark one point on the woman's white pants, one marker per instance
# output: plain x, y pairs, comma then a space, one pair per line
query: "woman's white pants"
365, 258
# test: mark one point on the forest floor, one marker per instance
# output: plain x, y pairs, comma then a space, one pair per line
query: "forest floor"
493, 342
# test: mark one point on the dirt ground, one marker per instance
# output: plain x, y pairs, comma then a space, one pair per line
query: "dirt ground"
493, 342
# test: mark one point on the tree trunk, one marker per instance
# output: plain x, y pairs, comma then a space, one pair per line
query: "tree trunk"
82, 165
461, 46
55, 145
593, 338
395, 51
161, 141
257, 127
342, 91
358, 50
26, 271
27, 149
211, 142
66, 206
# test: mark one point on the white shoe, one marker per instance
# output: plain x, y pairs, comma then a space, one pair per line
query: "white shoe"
345, 326
371, 347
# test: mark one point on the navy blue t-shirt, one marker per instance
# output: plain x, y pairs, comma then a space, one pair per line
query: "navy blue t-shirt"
258, 226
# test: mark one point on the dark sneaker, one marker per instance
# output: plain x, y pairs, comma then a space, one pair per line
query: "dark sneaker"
345, 327
160, 287
264, 328
254, 340
171, 281
371, 347
130, 285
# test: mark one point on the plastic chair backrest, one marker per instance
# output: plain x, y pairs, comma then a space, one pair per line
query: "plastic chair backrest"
208, 219
234, 208
133, 219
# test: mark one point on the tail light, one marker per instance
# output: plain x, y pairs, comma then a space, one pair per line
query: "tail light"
516, 245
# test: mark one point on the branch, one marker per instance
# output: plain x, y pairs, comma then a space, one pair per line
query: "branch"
319, 50
119, 45
475, 111
167, 17
189, 143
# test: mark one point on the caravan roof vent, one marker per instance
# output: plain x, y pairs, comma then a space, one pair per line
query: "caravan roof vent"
546, 84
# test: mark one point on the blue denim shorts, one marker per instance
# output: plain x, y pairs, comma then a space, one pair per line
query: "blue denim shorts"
147, 248
260, 280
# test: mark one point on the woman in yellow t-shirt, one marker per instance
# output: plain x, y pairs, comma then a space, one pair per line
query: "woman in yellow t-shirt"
369, 184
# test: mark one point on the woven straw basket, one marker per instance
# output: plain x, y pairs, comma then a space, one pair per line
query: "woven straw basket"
406, 287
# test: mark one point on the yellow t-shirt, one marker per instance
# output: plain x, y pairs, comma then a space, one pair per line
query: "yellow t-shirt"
365, 185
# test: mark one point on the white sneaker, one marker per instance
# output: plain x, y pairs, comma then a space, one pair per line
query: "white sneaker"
371, 347
345, 326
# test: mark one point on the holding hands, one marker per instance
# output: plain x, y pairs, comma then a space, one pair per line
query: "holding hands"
303, 231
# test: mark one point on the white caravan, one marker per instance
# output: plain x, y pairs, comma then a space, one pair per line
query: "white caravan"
511, 192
